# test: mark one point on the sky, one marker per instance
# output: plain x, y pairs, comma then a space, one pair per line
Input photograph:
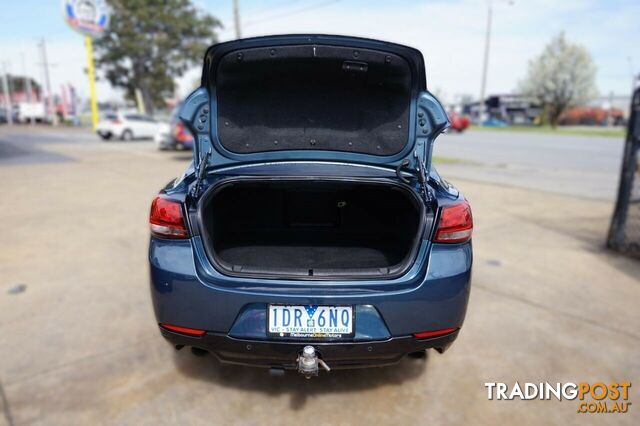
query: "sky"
450, 34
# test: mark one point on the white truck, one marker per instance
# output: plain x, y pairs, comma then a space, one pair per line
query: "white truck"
28, 111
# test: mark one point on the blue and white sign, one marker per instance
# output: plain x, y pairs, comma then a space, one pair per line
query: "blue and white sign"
88, 17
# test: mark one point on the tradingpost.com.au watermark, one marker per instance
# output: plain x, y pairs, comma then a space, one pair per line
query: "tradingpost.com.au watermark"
597, 397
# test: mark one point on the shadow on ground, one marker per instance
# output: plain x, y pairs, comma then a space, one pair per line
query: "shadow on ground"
591, 230
12, 154
258, 380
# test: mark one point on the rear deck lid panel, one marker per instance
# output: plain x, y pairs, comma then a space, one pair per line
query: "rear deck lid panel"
312, 97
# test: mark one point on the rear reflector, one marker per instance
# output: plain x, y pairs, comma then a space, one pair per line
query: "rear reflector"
166, 219
434, 333
183, 330
456, 224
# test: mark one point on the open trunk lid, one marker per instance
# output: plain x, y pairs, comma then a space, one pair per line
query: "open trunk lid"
313, 97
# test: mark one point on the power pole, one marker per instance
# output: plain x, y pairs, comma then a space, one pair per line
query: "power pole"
7, 93
632, 73
27, 85
487, 41
485, 66
236, 18
45, 64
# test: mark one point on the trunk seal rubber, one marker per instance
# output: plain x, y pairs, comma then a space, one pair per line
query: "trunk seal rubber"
399, 269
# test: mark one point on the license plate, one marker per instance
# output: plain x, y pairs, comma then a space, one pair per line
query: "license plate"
310, 321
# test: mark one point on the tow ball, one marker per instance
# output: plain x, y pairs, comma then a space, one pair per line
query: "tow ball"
308, 362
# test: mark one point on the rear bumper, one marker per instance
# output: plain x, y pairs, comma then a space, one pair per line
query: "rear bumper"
432, 296
279, 354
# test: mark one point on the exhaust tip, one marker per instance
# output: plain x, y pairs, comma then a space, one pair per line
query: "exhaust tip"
199, 351
276, 371
419, 354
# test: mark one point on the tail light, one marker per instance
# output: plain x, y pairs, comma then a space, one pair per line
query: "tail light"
456, 224
433, 333
183, 330
166, 219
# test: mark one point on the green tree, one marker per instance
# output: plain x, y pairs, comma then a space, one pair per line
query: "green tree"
561, 77
151, 42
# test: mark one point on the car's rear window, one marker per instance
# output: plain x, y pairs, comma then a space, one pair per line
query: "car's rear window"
313, 98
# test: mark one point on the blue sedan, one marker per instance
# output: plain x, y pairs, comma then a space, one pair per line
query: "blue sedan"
311, 231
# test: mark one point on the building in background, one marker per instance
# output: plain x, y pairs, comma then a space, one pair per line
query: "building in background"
515, 109
30, 104
508, 108
25, 97
21, 89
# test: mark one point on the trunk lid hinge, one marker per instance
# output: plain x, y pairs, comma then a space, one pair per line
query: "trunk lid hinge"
201, 172
422, 178
421, 175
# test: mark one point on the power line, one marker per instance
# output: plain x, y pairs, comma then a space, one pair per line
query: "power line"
292, 12
277, 7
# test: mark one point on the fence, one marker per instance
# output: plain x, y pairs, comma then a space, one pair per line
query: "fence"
624, 234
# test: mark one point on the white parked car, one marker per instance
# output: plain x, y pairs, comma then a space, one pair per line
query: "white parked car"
127, 126
174, 134
163, 136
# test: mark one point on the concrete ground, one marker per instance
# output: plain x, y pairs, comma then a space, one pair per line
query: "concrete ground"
79, 344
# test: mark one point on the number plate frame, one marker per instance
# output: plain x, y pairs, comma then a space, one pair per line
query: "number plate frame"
311, 336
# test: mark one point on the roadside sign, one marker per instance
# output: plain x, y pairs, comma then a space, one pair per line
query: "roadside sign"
89, 18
